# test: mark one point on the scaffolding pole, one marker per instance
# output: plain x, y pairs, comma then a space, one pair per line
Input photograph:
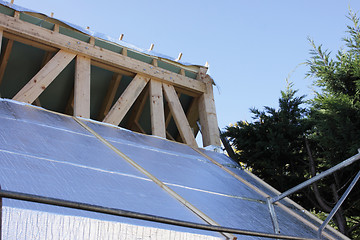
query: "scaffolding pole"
316, 178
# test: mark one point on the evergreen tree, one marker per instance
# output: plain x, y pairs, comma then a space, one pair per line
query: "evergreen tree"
335, 114
289, 145
273, 144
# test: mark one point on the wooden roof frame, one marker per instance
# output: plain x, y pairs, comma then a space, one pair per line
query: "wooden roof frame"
66, 48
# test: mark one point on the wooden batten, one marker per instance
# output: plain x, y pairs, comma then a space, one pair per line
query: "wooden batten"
179, 115
126, 100
82, 87
44, 77
157, 109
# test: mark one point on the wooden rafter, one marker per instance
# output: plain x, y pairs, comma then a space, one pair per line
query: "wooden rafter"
82, 87
110, 96
138, 109
126, 100
46, 59
5, 59
30, 42
179, 115
44, 77
157, 109
58, 40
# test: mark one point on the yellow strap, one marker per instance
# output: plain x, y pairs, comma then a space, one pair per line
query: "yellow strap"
202, 215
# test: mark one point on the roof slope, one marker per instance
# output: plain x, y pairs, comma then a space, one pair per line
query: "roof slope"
50, 154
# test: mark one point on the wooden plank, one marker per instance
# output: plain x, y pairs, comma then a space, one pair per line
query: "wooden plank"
207, 113
82, 87
47, 57
44, 77
5, 59
157, 109
110, 95
126, 100
179, 115
49, 37
30, 42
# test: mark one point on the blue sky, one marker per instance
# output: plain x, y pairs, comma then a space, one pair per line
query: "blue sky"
251, 46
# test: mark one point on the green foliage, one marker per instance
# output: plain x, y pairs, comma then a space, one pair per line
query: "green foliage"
272, 145
335, 114
289, 145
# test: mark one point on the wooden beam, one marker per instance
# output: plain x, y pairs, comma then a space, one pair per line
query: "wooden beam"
56, 27
138, 108
179, 115
1, 37
168, 136
47, 57
112, 68
30, 42
44, 77
110, 96
157, 109
167, 111
5, 59
58, 40
192, 115
82, 87
140, 128
207, 113
126, 100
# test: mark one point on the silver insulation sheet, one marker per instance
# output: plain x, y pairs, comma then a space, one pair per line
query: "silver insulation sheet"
51, 155
208, 187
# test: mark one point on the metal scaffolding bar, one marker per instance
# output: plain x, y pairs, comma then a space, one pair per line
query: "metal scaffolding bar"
273, 216
136, 215
341, 165
338, 204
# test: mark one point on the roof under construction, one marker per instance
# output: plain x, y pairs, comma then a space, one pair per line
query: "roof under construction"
113, 135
